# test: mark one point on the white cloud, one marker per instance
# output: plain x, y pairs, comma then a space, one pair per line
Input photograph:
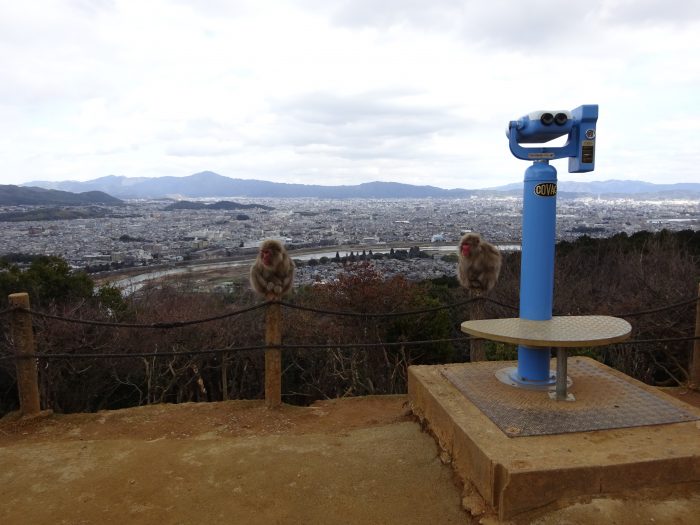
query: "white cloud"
340, 92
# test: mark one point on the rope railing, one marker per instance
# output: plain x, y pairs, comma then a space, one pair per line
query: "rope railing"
339, 313
179, 324
161, 325
309, 346
26, 357
378, 314
672, 306
660, 309
125, 355
657, 341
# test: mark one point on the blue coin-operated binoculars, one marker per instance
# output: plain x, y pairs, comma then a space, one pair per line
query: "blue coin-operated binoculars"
539, 216
542, 126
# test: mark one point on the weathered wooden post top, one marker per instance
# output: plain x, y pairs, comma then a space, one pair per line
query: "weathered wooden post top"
536, 331
23, 339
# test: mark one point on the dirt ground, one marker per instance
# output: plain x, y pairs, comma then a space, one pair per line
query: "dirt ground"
359, 460
346, 461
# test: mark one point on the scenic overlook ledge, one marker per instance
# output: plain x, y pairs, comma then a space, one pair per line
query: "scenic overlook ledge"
348, 262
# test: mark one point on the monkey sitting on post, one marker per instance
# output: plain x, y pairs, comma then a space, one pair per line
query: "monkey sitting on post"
273, 271
479, 263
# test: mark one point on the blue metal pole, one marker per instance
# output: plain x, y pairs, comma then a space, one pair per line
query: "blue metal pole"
537, 266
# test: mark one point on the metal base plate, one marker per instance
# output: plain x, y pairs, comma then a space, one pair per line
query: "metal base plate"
510, 376
604, 400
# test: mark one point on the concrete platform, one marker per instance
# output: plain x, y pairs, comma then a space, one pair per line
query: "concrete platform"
517, 475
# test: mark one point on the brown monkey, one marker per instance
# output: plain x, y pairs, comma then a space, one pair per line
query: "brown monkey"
272, 273
479, 263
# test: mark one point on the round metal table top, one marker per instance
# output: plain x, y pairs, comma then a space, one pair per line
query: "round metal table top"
564, 331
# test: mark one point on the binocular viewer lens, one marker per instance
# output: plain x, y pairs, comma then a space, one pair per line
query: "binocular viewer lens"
547, 119
559, 119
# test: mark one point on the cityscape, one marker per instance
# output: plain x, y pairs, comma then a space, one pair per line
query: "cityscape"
143, 233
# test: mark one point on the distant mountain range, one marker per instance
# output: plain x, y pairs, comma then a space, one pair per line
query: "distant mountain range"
11, 195
209, 184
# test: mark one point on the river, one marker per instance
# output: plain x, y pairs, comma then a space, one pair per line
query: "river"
133, 283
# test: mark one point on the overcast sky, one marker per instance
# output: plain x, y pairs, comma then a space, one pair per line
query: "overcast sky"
342, 92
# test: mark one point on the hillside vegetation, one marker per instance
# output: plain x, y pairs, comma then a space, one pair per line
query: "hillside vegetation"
11, 195
622, 275
219, 205
55, 214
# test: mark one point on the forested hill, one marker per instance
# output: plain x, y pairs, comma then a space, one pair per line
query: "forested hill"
11, 195
220, 205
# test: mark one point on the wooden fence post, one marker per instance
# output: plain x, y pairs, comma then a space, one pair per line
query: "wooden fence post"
23, 339
273, 356
694, 375
477, 350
